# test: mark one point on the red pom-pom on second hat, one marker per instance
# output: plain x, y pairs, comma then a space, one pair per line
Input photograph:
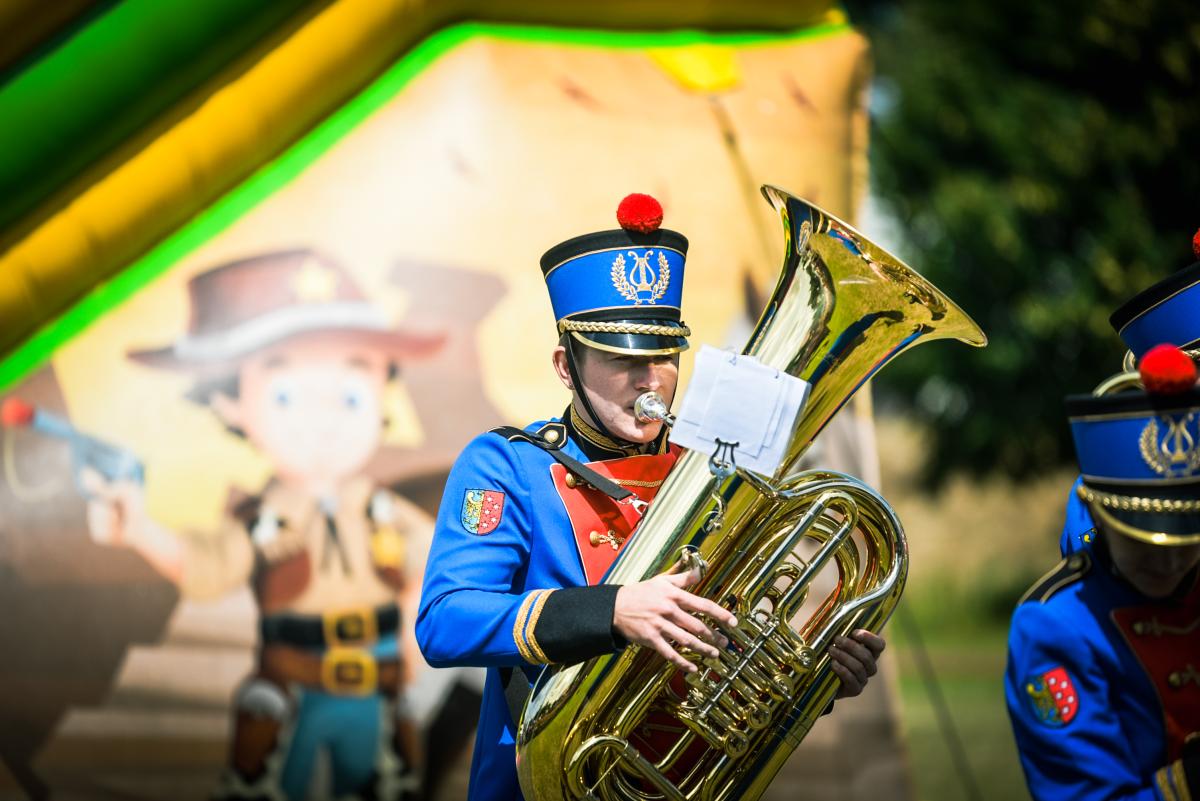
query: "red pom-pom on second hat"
1166, 370
641, 213
1196, 243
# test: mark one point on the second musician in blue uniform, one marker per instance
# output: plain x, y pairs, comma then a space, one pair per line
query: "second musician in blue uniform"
1103, 678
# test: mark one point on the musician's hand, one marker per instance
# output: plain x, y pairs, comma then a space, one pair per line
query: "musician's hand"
660, 614
115, 510
853, 660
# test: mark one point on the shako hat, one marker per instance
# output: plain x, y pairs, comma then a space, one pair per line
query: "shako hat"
620, 290
1168, 311
243, 306
1139, 452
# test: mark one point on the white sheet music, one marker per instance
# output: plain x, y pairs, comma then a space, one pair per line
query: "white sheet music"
737, 399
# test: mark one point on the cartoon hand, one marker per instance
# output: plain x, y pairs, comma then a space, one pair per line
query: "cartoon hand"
115, 509
854, 659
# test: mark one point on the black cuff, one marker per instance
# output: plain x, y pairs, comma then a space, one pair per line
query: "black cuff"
576, 624
1191, 765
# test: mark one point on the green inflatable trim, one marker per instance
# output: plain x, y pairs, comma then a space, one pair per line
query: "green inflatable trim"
36, 350
111, 79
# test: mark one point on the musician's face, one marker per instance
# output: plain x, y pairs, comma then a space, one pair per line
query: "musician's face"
1155, 570
614, 381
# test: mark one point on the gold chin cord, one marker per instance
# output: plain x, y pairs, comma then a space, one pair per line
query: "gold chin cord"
800, 558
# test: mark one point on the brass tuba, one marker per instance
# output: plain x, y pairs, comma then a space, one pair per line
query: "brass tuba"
631, 725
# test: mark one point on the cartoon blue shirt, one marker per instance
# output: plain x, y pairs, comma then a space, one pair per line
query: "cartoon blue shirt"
1089, 685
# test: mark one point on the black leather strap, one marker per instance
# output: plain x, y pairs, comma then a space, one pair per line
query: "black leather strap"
581, 471
581, 390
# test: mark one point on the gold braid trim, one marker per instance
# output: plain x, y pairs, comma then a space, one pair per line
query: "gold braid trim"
1130, 503
519, 626
680, 330
633, 482
596, 437
1181, 782
1162, 777
533, 619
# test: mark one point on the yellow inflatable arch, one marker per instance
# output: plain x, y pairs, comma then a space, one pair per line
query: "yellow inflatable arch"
95, 226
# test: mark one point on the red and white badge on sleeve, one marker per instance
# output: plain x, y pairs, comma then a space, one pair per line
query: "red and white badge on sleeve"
1053, 697
482, 510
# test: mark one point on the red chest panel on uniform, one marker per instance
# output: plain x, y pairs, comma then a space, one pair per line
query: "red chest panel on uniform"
602, 526
1166, 640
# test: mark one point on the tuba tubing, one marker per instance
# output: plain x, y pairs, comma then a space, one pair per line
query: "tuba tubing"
841, 309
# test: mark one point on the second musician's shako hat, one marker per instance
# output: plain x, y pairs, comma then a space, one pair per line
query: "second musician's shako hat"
1139, 452
620, 290
1169, 311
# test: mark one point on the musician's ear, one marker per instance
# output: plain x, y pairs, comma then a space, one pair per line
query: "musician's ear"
559, 357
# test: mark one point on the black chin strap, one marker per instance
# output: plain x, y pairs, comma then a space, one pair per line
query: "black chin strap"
583, 396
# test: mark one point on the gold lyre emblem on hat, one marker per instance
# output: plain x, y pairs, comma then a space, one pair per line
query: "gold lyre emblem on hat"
1176, 453
641, 283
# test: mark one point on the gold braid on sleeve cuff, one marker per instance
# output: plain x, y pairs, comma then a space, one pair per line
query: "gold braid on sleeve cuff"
1174, 782
527, 618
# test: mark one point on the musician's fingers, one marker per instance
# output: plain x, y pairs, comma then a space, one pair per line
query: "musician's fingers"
851, 663
682, 578
681, 638
851, 686
664, 649
698, 627
686, 630
696, 603
859, 652
874, 643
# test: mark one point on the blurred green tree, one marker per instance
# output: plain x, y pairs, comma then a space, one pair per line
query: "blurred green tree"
1042, 161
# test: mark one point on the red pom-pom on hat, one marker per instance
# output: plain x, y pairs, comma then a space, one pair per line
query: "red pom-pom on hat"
640, 213
1196, 243
1166, 370
15, 412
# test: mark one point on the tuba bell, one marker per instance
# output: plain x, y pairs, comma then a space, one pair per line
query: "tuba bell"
799, 558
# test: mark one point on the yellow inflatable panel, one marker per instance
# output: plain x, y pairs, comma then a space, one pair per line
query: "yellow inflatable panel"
242, 123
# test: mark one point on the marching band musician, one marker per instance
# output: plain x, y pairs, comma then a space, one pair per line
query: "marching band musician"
1102, 684
1168, 311
532, 519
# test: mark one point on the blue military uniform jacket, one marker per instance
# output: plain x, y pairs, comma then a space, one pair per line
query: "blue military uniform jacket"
506, 585
1101, 685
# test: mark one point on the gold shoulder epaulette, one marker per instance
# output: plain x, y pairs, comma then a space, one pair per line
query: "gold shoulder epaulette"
1068, 571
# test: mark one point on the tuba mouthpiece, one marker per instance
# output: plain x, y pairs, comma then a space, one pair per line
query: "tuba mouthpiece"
650, 408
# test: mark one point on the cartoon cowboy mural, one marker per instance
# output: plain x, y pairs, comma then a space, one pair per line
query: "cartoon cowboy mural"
287, 352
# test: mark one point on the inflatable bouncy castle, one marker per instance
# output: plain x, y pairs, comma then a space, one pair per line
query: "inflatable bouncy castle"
246, 246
